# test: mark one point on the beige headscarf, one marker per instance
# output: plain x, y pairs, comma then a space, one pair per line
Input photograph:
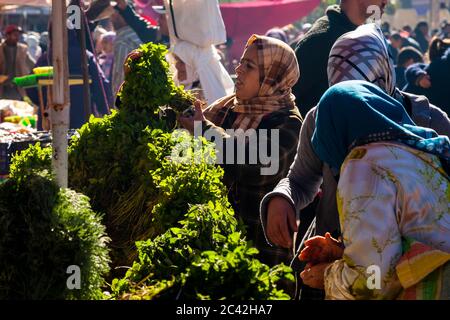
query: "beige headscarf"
279, 71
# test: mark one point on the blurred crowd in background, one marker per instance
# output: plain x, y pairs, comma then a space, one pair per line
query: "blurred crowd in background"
117, 29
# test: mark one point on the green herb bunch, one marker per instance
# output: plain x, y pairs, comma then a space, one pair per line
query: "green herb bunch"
129, 173
149, 85
43, 231
31, 161
203, 258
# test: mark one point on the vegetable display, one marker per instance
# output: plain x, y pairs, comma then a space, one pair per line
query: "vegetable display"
204, 257
44, 230
164, 204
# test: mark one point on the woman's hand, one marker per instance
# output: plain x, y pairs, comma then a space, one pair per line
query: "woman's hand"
322, 249
198, 117
313, 275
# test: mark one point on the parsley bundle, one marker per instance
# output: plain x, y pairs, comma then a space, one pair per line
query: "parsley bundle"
149, 85
43, 231
204, 257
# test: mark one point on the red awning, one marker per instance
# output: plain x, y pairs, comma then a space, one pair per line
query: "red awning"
242, 19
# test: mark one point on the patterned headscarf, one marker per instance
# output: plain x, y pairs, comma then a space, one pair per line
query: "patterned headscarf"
278, 70
362, 54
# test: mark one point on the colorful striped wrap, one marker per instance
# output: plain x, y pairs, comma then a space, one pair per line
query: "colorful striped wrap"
424, 272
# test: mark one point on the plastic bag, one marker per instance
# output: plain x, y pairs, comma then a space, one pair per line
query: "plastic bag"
196, 21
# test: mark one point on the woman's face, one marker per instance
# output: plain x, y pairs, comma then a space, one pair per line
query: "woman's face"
247, 75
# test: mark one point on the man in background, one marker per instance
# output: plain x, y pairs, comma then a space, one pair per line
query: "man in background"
126, 41
313, 49
15, 61
131, 31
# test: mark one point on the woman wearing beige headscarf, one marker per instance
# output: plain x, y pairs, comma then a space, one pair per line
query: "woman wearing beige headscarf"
263, 100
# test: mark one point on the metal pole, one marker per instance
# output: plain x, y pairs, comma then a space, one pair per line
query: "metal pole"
60, 102
84, 67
